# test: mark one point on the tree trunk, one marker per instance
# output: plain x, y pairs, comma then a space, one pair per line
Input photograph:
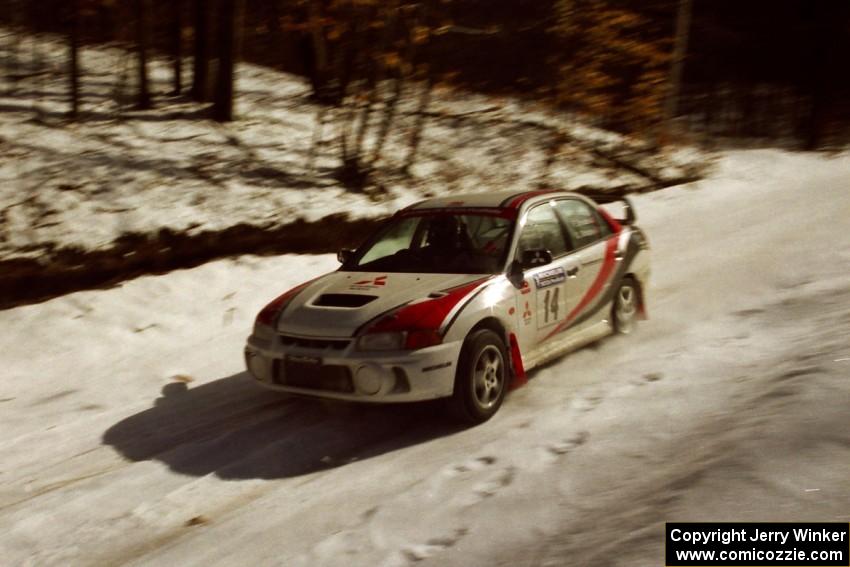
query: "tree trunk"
229, 27
276, 33
317, 55
73, 55
201, 52
177, 46
419, 124
143, 102
824, 29
406, 56
680, 49
427, 76
388, 117
13, 47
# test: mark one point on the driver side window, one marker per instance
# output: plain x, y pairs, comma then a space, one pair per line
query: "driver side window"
542, 230
399, 237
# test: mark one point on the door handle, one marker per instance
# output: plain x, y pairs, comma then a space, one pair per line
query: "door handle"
572, 272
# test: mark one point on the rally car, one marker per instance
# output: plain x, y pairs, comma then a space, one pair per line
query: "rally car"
457, 298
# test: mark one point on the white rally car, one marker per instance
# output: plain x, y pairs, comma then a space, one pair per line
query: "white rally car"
456, 298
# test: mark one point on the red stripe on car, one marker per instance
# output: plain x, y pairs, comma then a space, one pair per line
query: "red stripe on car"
518, 201
612, 222
516, 361
604, 273
425, 315
269, 313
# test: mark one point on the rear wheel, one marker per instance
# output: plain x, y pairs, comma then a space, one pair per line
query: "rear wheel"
625, 308
481, 378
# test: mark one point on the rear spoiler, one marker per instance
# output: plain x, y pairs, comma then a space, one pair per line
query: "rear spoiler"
605, 198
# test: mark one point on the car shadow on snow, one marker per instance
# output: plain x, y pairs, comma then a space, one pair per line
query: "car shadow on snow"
237, 430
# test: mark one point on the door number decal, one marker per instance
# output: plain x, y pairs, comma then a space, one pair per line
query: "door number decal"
550, 305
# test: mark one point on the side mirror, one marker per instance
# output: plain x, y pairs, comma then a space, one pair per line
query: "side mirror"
535, 257
344, 255
515, 274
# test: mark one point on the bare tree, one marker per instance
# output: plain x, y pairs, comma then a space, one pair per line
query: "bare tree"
201, 55
177, 45
824, 28
375, 48
229, 32
422, 38
318, 51
680, 48
73, 58
12, 62
419, 121
361, 80
396, 61
143, 13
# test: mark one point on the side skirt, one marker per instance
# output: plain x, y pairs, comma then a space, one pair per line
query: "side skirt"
589, 332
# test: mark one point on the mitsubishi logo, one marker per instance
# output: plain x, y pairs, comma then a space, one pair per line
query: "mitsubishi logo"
380, 280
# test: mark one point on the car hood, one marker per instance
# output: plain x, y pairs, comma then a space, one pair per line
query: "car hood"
339, 303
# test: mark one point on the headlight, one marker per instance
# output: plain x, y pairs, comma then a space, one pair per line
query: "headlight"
399, 340
381, 341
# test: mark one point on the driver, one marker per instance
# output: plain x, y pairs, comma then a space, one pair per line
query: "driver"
445, 239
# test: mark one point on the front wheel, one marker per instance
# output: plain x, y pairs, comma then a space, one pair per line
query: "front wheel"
625, 308
481, 378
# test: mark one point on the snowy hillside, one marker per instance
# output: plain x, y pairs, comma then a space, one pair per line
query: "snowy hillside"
122, 191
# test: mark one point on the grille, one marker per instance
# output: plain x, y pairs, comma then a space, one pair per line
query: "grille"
334, 344
327, 377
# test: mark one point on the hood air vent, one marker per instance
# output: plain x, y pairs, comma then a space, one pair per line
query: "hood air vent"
349, 300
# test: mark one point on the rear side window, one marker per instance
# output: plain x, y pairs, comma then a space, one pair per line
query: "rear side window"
583, 222
542, 231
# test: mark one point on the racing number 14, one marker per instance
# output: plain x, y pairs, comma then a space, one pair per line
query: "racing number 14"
550, 304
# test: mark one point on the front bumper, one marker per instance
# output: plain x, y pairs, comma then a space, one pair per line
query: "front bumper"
307, 366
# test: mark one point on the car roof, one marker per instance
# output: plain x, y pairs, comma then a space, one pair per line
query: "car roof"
495, 199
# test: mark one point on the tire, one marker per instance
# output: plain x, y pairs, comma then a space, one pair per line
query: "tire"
624, 307
481, 381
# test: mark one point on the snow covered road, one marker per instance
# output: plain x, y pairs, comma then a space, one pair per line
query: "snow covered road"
131, 434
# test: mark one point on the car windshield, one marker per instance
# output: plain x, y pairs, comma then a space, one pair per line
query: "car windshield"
437, 242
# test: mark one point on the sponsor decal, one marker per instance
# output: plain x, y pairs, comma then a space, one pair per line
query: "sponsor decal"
525, 287
550, 277
370, 284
